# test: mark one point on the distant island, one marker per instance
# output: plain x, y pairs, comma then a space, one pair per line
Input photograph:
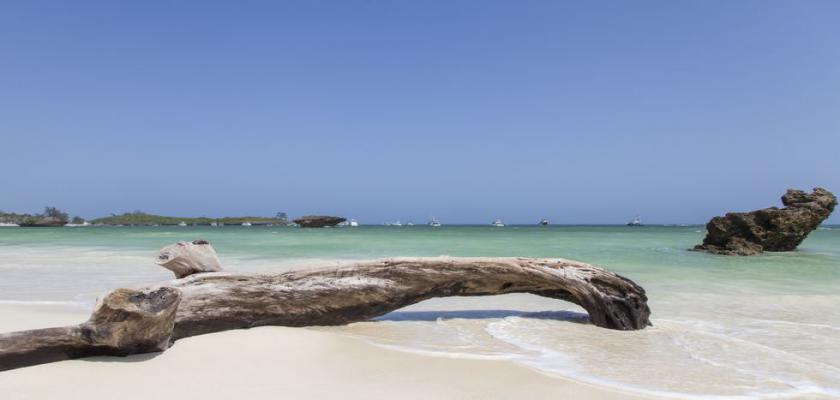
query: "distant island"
318, 221
143, 219
53, 217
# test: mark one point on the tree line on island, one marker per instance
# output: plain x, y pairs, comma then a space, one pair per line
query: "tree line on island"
54, 217
139, 218
51, 216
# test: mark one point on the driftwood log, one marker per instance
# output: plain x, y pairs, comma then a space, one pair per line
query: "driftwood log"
149, 319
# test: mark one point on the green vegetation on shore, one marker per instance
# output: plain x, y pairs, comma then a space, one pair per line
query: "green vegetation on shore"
50, 217
141, 218
13, 218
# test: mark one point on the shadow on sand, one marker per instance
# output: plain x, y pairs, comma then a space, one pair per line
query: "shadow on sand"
566, 316
127, 359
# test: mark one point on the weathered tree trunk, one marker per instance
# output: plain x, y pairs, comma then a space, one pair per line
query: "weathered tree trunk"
212, 302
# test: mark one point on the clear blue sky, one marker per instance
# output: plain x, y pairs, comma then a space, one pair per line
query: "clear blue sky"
581, 112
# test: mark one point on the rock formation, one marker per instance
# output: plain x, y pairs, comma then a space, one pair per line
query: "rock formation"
318, 221
148, 319
42, 222
187, 258
769, 229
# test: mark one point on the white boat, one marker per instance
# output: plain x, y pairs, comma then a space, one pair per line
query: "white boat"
410, 224
396, 223
498, 223
544, 222
635, 222
434, 222
246, 223
75, 225
354, 223
214, 223
182, 223
8, 225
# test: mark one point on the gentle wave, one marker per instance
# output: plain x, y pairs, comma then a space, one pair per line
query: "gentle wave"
531, 339
552, 361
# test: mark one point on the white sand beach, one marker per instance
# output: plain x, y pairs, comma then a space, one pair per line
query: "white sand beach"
272, 362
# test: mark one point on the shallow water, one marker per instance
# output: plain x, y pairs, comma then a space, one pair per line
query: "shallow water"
730, 327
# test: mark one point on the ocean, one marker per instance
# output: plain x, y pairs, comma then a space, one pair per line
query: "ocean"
765, 326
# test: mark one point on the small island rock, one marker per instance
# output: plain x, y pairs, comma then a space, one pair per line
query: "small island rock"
43, 222
769, 229
318, 221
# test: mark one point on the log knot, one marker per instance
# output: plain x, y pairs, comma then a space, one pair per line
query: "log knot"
131, 321
188, 258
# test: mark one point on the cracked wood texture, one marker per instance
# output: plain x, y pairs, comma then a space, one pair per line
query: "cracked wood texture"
212, 302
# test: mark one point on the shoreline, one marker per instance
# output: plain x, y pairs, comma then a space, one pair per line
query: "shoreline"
755, 308
265, 361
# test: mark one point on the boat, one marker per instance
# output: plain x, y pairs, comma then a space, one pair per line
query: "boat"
410, 224
214, 223
8, 225
354, 223
396, 223
635, 222
498, 223
434, 222
246, 223
544, 222
182, 223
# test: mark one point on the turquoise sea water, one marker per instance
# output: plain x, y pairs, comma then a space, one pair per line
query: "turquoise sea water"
762, 326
